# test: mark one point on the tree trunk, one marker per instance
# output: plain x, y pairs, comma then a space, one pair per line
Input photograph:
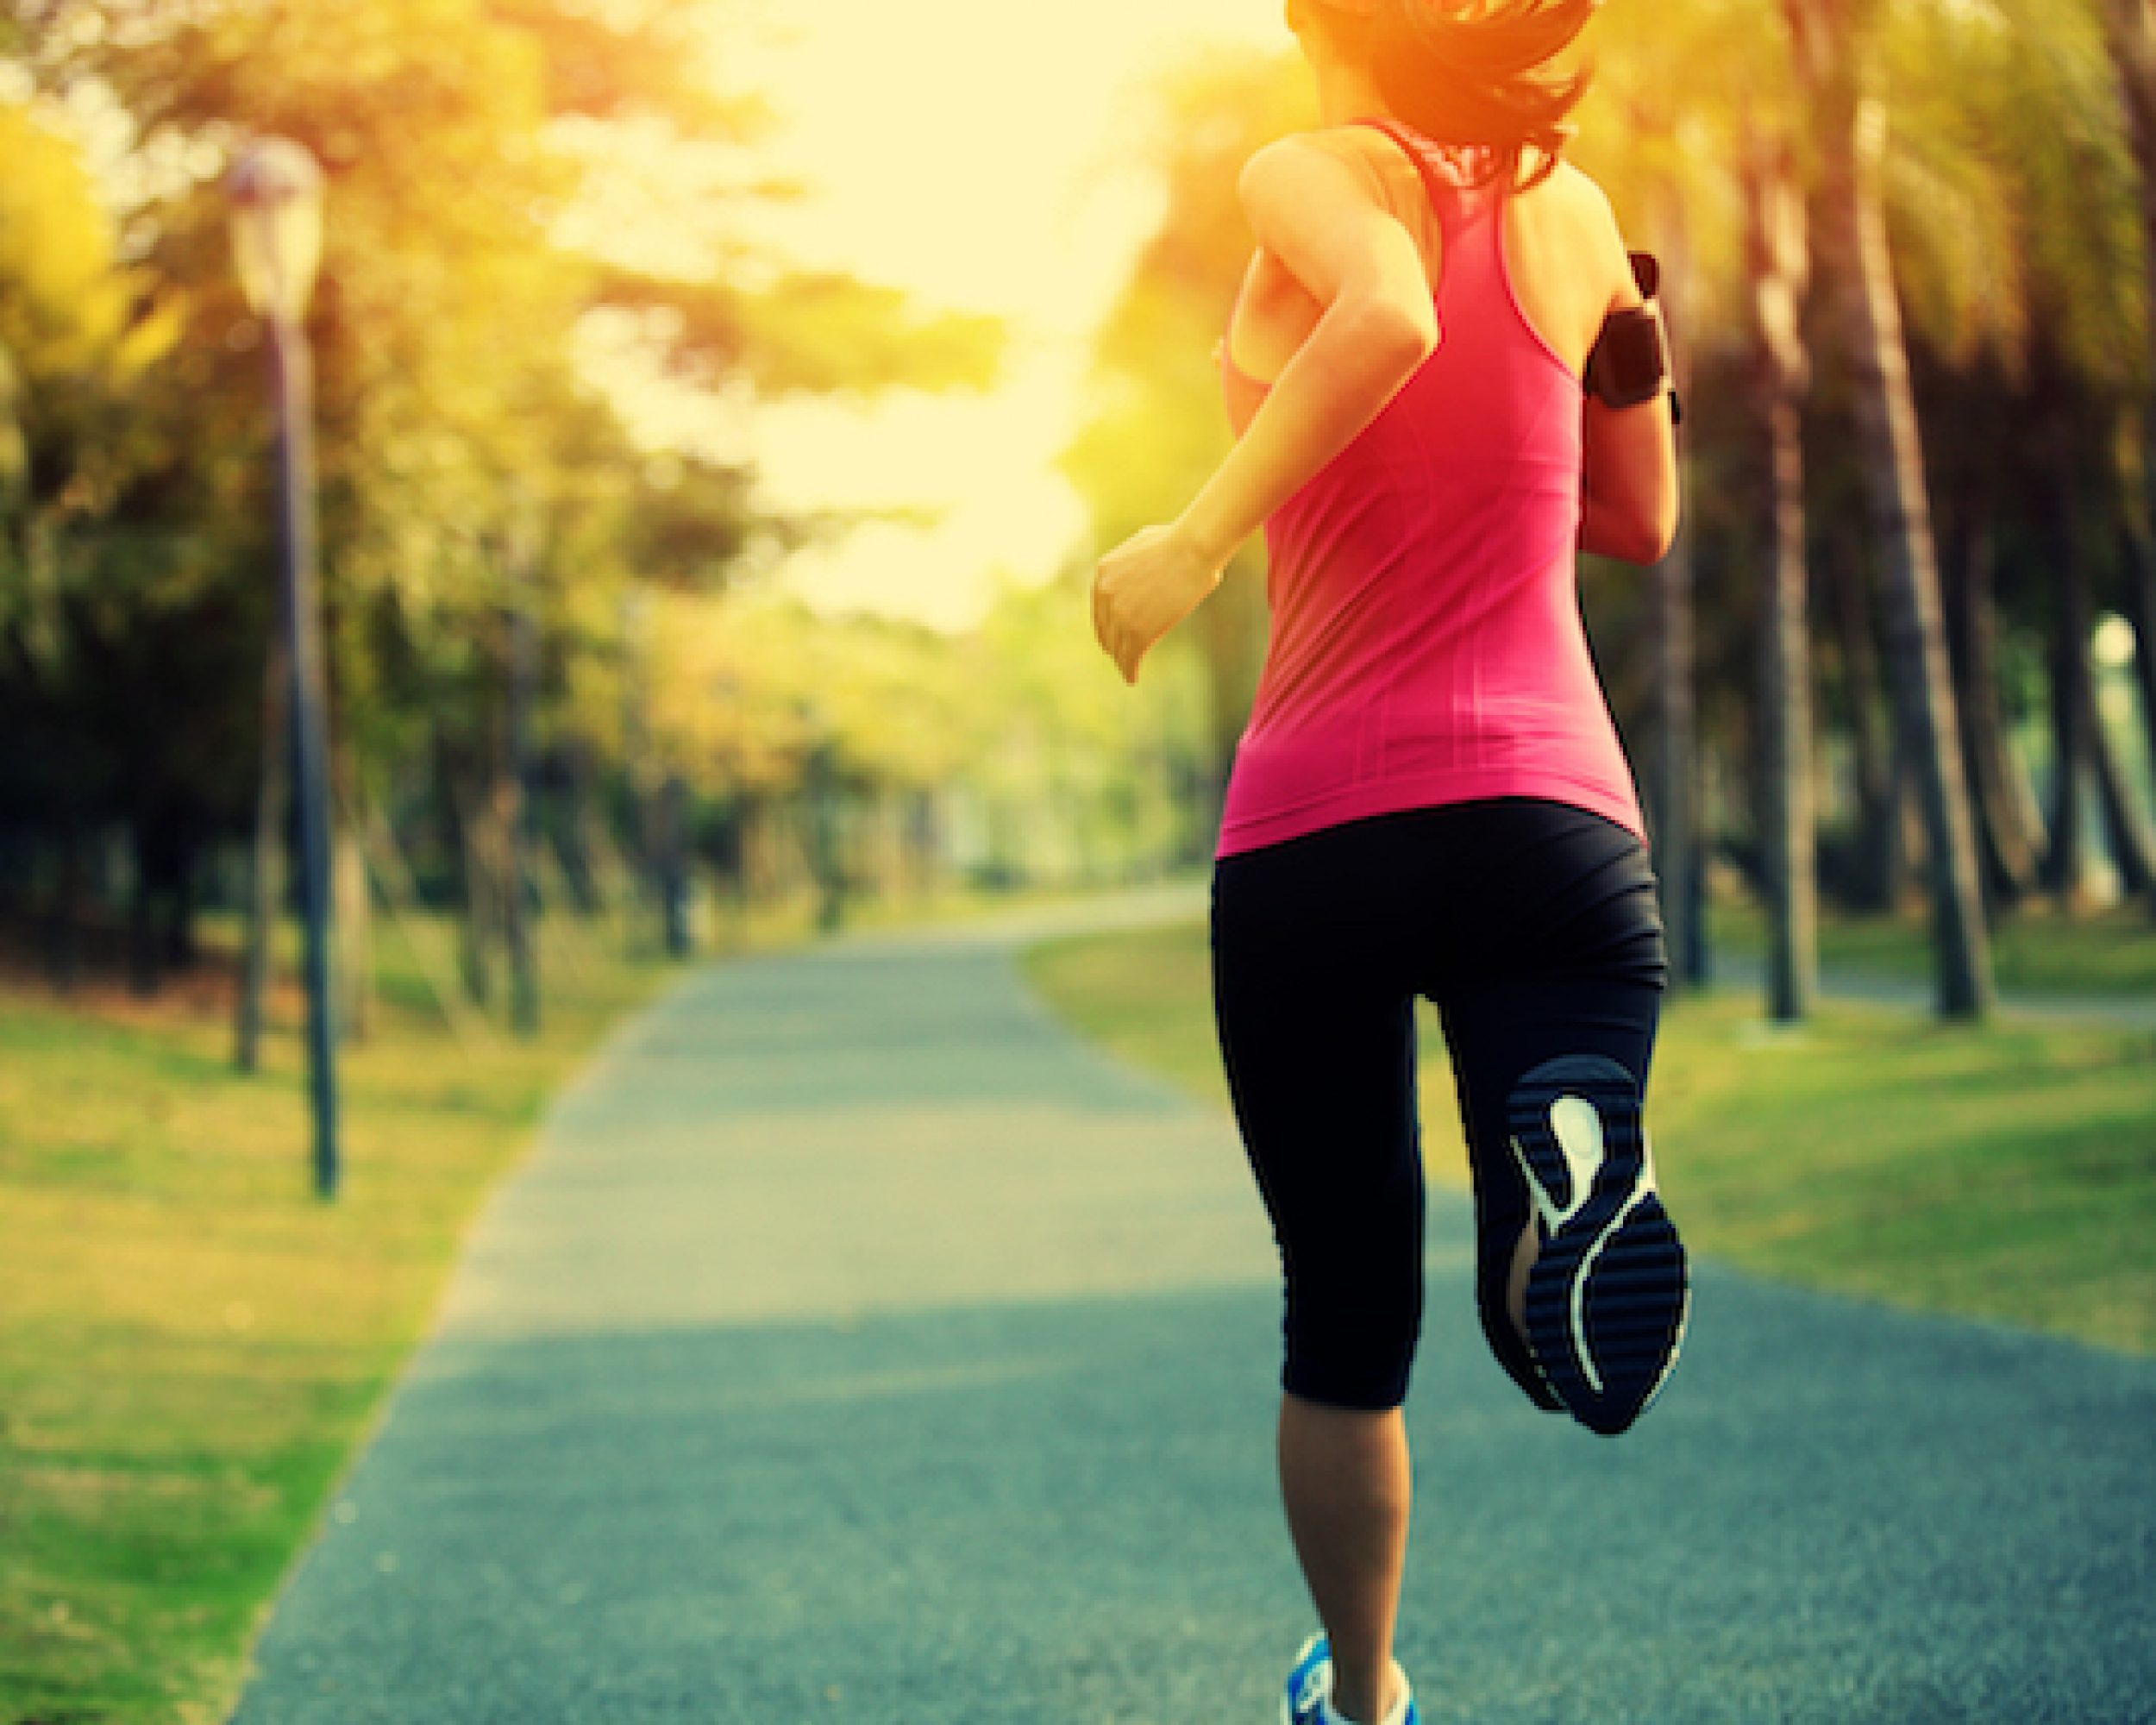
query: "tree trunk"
2123, 834
2127, 833
1881, 860
354, 921
474, 851
182, 948
1705, 824
518, 817
1670, 799
1677, 722
265, 884
2122, 829
2130, 30
575, 847
145, 972
672, 860
1851, 132
2138, 602
2010, 851
63, 920
2066, 861
2066, 872
1775, 259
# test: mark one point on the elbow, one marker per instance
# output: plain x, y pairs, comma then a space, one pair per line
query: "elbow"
1665, 528
1656, 538
1646, 537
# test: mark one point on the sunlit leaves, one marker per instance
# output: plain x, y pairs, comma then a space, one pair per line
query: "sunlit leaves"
811, 332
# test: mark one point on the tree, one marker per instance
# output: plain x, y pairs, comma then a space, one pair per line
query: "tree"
1776, 247
1849, 132
2130, 35
473, 253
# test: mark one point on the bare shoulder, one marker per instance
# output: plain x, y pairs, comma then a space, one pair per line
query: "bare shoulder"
1576, 198
1578, 188
1578, 202
1289, 161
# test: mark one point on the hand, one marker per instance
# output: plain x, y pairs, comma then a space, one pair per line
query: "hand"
1144, 588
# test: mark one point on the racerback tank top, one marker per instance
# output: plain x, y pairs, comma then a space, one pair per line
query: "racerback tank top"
1426, 643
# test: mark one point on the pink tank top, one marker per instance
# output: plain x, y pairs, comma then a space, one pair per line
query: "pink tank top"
1426, 644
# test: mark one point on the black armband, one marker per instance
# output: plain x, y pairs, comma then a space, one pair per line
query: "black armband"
1630, 362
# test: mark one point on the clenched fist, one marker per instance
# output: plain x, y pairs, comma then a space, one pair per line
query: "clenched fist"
1144, 588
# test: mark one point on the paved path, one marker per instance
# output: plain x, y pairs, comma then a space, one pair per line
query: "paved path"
858, 1345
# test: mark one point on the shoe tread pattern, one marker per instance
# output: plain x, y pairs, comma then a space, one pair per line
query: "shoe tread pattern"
1636, 1296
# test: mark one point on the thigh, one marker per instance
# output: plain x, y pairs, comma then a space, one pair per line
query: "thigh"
1314, 1012
1558, 949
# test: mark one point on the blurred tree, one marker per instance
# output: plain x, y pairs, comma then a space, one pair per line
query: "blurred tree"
1849, 132
93, 733
479, 236
1776, 249
1655, 147
1154, 427
1696, 174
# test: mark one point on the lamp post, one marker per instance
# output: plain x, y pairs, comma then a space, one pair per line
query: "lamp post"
275, 190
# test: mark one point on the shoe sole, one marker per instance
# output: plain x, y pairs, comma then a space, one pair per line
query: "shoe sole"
1608, 1297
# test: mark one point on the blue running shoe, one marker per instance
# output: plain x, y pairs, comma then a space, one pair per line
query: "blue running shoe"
1309, 1699
1608, 1294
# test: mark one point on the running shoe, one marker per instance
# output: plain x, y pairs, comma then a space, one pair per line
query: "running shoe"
1309, 1699
1608, 1296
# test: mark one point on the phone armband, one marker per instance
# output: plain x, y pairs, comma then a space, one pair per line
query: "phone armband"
1630, 362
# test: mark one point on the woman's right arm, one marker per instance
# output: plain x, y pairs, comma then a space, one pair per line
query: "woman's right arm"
1629, 506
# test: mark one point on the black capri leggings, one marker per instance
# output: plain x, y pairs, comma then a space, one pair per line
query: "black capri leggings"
1531, 924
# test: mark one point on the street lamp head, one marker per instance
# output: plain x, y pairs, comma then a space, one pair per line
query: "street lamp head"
275, 189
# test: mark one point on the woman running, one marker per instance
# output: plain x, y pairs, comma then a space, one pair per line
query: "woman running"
1430, 797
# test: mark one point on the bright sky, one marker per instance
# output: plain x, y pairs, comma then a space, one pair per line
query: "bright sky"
973, 152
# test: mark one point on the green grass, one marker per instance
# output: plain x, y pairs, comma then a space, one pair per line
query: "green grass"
1994, 1172
193, 1340
2035, 949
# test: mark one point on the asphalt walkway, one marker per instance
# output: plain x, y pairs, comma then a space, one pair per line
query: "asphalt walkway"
856, 1344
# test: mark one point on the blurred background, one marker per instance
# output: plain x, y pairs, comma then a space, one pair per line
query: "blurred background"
717, 407
716, 413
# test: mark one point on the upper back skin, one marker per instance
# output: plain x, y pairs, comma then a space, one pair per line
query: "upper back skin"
1556, 251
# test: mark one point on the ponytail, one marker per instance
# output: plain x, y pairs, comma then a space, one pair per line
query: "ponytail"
1477, 73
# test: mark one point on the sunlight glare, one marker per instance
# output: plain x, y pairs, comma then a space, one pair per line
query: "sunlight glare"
979, 156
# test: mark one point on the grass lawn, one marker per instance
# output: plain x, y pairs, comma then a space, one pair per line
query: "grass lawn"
193, 1340
2035, 948
1999, 1173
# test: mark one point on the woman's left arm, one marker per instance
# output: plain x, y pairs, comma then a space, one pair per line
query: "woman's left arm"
1328, 224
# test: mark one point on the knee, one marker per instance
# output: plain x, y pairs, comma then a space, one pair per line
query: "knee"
1351, 1326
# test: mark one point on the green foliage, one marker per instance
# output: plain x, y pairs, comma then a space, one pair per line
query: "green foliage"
814, 333
470, 460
